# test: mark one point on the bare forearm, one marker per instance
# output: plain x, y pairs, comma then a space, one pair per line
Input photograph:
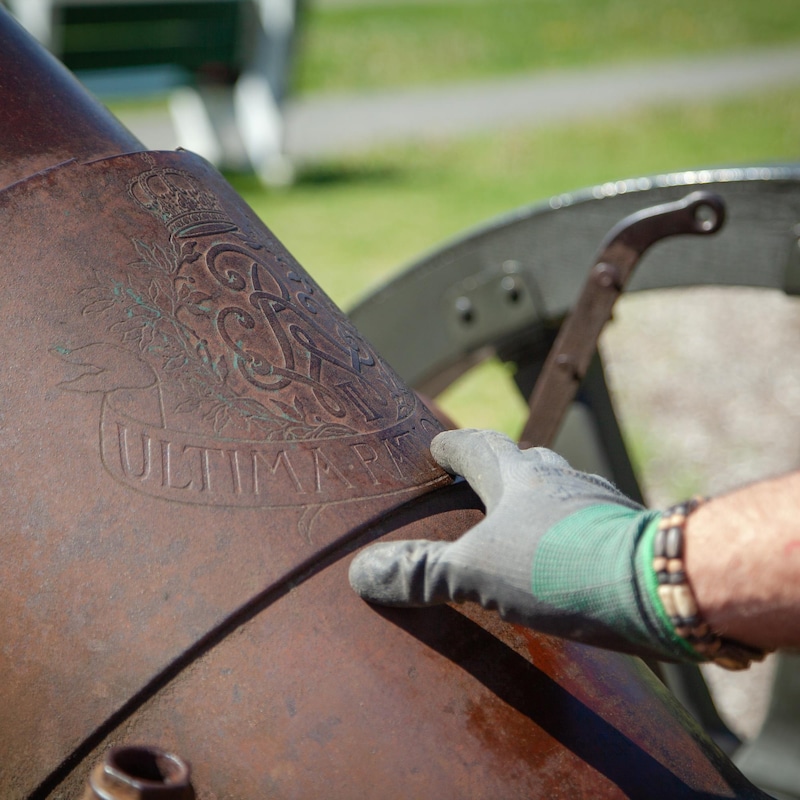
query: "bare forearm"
743, 560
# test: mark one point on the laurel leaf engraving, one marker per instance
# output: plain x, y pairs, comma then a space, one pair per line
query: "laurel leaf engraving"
187, 254
221, 368
153, 310
288, 410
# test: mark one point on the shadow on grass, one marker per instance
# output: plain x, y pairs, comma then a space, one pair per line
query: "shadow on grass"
316, 176
340, 174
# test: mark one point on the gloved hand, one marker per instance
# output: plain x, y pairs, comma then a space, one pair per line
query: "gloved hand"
559, 551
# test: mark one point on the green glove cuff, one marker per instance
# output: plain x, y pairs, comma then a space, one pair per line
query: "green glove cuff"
596, 565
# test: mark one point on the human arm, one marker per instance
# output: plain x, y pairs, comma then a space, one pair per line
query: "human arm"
560, 551
743, 559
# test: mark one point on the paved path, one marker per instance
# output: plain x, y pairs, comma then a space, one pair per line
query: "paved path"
326, 125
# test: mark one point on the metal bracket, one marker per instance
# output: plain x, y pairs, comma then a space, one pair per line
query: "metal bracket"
491, 303
699, 213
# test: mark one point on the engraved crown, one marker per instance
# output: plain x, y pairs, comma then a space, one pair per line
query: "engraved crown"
180, 202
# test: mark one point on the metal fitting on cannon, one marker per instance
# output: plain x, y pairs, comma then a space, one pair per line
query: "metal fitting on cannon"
139, 772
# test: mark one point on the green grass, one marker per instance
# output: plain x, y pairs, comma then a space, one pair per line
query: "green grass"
391, 44
486, 397
355, 222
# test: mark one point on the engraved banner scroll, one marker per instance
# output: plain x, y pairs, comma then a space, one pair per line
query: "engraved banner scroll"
228, 377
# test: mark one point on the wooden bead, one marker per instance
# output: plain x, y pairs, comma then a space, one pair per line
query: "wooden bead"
732, 664
684, 601
674, 541
660, 543
666, 596
701, 631
674, 565
660, 564
708, 648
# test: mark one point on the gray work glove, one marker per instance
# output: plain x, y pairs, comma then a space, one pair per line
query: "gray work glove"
559, 551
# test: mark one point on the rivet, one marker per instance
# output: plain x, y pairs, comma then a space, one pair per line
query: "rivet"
607, 276
511, 287
465, 310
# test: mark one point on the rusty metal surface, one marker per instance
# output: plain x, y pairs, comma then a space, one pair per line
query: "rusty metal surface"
194, 440
209, 424
46, 116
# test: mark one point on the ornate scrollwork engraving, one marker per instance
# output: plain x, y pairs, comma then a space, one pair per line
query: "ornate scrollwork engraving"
243, 355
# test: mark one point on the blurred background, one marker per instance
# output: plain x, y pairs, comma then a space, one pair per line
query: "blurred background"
366, 132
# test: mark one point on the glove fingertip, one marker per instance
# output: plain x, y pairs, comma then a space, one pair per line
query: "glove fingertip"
389, 573
366, 570
465, 451
445, 444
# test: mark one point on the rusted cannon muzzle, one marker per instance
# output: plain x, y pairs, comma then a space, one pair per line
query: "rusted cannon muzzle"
194, 440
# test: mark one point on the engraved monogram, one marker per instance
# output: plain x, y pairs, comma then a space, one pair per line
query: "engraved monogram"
222, 349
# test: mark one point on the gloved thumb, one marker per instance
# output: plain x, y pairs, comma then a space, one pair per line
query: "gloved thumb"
408, 573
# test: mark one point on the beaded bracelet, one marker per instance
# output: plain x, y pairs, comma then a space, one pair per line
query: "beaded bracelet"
679, 601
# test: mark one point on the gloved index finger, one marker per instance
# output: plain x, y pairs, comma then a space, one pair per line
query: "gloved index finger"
478, 456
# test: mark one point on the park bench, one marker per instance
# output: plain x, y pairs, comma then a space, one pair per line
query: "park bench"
223, 63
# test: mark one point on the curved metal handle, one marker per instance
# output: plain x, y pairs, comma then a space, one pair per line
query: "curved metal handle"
700, 213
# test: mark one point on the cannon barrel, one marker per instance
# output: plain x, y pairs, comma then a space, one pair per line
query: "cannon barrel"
47, 116
194, 440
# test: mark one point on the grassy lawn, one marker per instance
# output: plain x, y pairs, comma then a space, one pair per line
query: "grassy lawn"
355, 222
346, 46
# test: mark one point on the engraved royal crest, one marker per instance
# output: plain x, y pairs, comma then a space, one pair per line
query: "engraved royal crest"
221, 352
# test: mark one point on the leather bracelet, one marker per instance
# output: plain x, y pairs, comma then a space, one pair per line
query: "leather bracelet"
678, 600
